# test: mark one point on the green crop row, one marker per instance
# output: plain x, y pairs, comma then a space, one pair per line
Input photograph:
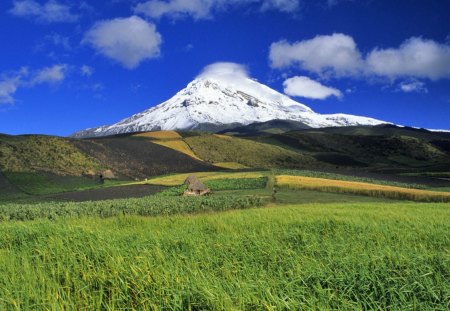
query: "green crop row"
147, 206
236, 184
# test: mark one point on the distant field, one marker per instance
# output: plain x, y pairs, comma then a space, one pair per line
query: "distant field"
341, 186
179, 146
360, 256
230, 165
178, 179
160, 135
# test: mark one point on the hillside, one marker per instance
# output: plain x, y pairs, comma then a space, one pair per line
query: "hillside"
384, 148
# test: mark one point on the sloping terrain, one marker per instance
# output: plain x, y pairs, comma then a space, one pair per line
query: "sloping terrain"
384, 148
138, 158
50, 154
221, 148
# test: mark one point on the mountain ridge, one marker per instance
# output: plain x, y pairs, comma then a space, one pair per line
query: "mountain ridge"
213, 103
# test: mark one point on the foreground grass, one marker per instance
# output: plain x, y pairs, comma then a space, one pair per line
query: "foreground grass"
328, 256
351, 187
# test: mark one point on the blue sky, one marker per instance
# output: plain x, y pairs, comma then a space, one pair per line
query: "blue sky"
70, 65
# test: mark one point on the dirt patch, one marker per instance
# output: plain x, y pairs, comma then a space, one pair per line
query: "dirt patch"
122, 192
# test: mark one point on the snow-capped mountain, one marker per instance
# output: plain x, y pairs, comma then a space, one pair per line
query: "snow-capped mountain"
215, 101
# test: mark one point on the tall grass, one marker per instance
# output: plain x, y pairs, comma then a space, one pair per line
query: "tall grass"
307, 257
340, 186
147, 206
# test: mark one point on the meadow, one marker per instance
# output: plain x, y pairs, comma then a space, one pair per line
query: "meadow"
291, 257
242, 248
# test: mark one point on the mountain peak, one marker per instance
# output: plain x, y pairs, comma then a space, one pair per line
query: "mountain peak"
222, 97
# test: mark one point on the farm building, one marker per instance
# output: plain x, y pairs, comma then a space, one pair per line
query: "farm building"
195, 186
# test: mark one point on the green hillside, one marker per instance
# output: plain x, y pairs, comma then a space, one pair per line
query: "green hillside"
44, 154
220, 148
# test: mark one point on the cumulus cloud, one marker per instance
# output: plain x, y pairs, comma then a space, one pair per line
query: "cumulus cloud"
416, 57
50, 75
339, 55
128, 41
413, 86
203, 9
225, 70
305, 87
49, 12
336, 54
11, 82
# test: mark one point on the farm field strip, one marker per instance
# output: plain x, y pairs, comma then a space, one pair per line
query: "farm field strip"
178, 145
163, 135
178, 179
341, 186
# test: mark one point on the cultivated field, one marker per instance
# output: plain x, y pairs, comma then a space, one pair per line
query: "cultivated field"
340, 186
320, 242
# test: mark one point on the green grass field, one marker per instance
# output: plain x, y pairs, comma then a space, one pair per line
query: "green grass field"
312, 256
238, 249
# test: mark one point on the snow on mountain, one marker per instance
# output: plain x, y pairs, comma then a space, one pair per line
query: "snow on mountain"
218, 99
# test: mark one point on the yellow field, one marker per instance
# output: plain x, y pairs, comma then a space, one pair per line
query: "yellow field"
230, 165
175, 180
163, 135
178, 145
329, 185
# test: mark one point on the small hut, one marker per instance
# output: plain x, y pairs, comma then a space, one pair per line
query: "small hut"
195, 186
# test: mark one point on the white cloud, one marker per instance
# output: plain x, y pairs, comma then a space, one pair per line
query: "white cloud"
204, 9
305, 87
416, 57
49, 12
198, 9
281, 5
336, 54
225, 70
413, 87
86, 71
339, 55
50, 75
10, 83
128, 41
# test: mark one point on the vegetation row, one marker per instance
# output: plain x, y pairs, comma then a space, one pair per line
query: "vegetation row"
351, 187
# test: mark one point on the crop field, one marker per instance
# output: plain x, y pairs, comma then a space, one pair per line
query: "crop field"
179, 146
178, 179
315, 257
326, 245
163, 135
230, 165
340, 186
